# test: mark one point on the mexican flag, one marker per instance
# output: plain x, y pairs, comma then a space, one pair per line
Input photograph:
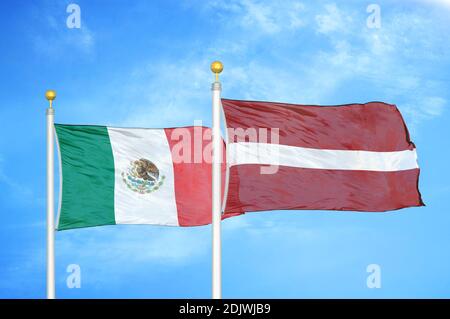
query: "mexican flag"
115, 175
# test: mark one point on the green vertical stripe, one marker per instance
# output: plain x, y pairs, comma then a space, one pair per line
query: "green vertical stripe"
87, 164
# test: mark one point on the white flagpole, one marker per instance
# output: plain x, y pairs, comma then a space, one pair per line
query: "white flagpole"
50, 95
216, 68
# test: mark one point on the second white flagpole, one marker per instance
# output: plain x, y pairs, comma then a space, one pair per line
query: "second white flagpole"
216, 68
50, 95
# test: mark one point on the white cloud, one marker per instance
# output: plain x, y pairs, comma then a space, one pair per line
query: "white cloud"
166, 93
390, 58
434, 105
57, 42
54, 38
424, 108
332, 20
134, 244
18, 189
266, 17
272, 17
444, 3
172, 246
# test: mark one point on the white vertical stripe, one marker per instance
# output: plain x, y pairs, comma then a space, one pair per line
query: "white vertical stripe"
227, 171
158, 207
293, 156
58, 216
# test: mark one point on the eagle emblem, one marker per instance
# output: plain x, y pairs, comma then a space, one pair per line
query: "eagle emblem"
143, 176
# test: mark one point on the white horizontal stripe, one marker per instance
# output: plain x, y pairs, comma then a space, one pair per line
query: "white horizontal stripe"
293, 156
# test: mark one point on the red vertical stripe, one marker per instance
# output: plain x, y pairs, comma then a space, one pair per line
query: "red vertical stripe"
193, 180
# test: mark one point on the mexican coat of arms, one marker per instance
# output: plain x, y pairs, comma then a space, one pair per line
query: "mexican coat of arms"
142, 176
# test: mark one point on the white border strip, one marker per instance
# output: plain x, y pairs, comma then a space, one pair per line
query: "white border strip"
60, 177
227, 166
301, 157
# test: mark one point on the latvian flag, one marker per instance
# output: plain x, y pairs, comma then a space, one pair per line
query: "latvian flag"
355, 157
134, 176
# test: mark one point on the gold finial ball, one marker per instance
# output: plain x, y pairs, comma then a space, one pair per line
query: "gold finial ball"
216, 67
50, 95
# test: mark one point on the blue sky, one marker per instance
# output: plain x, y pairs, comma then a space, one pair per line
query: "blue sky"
146, 63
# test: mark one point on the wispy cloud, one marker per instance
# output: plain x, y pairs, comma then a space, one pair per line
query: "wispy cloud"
18, 189
332, 20
443, 3
58, 42
167, 93
393, 61
266, 17
134, 244
425, 108
259, 227
53, 38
